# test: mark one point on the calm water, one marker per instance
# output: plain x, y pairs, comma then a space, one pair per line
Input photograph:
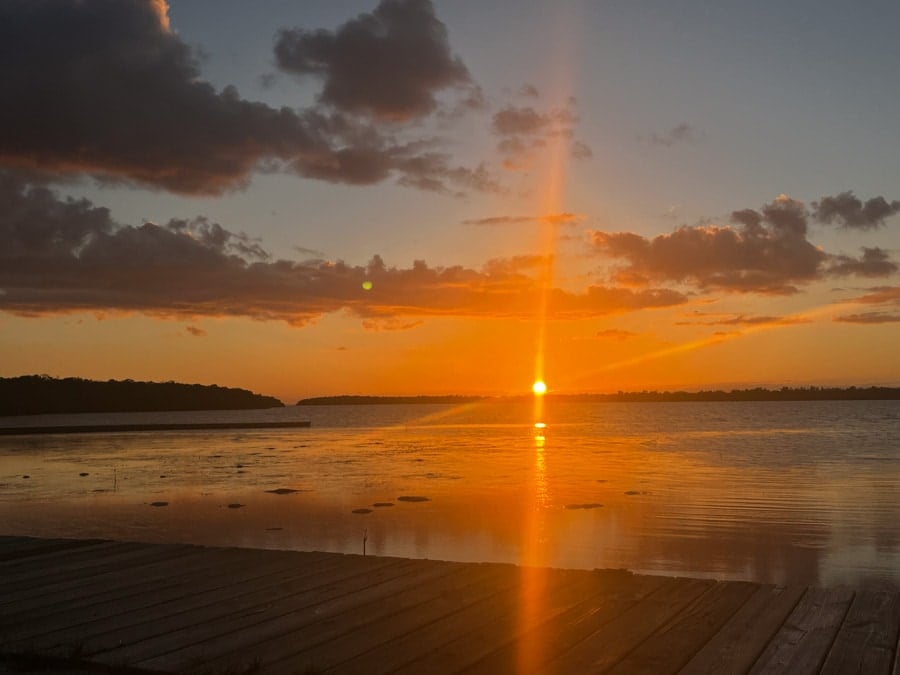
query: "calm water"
802, 492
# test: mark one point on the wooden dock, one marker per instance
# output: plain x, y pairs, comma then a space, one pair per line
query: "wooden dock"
103, 606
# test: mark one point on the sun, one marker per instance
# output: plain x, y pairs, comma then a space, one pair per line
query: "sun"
539, 388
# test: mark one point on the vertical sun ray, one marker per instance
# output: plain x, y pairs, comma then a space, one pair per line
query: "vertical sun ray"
533, 600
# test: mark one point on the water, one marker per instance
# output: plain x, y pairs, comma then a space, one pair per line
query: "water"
801, 492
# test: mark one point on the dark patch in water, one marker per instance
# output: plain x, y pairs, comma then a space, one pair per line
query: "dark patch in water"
282, 491
235, 506
240, 471
83, 474
632, 493
159, 503
379, 505
602, 480
163, 476
413, 498
590, 505
26, 476
274, 529
361, 511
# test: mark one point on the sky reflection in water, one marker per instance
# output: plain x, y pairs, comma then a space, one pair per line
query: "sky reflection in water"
774, 492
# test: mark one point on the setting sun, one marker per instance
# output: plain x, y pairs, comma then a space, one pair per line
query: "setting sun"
539, 388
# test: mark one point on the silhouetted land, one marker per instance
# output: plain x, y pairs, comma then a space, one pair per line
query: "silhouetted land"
377, 400
39, 394
757, 394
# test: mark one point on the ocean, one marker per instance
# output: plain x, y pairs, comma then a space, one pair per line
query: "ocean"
774, 492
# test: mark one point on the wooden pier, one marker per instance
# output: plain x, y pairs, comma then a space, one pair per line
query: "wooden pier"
103, 606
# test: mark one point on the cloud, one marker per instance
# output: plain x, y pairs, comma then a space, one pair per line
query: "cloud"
768, 253
741, 320
63, 255
849, 212
523, 130
105, 88
869, 318
529, 91
615, 334
874, 263
564, 218
682, 133
195, 331
389, 63
390, 324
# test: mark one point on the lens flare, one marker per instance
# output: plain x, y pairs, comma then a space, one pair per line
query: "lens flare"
539, 388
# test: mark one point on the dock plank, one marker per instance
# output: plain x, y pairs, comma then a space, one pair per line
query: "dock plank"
494, 615
182, 608
612, 642
738, 645
803, 642
868, 637
425, 605
670, 647
205, 601
286, 628
613, 592
208, 632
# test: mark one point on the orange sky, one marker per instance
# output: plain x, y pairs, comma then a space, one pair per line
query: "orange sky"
451, 214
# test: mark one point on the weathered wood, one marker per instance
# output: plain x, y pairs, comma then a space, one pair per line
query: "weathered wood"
250, 610
615, 640
341, 634
737, 646
203, 600
178, 608
611, 594
112, 593
126, 566
553, 592
868, 637
670, 647
25, 570
804, 640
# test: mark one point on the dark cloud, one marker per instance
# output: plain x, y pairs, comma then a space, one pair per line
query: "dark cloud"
850, 212
195, 331
564, 218
768, 253
874, 263
529, 91
708, 319
526, 121
869, 318
682, 133
63, 255
886, 303
581, 150
523, 130
389, 63
105, 88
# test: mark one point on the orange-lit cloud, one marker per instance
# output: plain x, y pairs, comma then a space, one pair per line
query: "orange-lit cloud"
712, 319
63, 255
768, 252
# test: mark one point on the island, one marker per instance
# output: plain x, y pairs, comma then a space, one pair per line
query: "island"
41, 394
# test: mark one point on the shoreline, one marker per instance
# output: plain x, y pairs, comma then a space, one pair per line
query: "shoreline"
165, 426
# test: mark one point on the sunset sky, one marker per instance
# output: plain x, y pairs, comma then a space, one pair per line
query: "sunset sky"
314, 197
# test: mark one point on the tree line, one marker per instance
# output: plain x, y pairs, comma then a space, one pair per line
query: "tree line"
41, 394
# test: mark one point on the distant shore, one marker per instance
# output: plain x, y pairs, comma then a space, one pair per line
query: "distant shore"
756, 394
